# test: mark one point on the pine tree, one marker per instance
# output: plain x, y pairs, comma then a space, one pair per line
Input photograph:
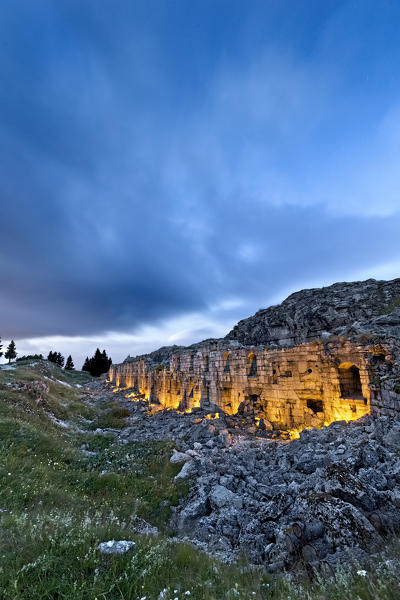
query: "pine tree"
56, 358
98, 364
60, 360
11, 351
69, 365
1, 345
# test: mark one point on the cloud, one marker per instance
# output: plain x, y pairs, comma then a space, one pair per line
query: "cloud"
162, 190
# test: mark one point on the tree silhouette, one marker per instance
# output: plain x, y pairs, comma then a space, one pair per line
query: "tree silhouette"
56, 358
11, 351
98, 364
69, 365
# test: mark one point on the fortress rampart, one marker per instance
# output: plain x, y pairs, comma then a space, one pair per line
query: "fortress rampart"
307, 385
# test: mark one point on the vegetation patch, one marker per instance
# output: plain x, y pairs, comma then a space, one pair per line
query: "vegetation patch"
65, 488
395, 303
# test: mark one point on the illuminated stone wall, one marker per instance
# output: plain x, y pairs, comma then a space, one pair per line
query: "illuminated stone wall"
307, 385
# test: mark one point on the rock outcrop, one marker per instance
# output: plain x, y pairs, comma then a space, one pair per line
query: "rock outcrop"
322, 355
369, 308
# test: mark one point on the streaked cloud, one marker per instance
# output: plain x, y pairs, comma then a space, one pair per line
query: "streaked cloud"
167, 170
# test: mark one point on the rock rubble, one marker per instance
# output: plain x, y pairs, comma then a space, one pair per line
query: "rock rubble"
327, 497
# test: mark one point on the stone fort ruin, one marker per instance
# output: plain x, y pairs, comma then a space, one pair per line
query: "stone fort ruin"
322, 355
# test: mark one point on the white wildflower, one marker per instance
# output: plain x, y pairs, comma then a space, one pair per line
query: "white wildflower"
362, 572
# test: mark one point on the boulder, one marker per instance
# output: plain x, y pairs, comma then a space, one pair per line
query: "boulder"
116, 547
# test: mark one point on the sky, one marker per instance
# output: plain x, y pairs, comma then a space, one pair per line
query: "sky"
168, 167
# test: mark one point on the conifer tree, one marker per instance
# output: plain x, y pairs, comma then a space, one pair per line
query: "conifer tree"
98, 364
69, 365
11, 351
1, 345
60, 360
57, 358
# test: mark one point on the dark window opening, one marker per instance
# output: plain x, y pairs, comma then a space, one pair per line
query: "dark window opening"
350, 382
309, 370
191, 366
316, 406
252, 365
206, 363
227, 368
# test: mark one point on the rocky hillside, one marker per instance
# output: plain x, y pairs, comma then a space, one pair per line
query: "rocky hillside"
345, 309
327, 498
358, 310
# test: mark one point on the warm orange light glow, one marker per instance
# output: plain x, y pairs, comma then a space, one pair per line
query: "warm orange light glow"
133, 397
343, 414
210, 417
294, 433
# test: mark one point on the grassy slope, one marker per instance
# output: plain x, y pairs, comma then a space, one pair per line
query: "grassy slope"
64, 490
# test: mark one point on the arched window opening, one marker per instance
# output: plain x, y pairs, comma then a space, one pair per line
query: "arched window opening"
350, 381
227, 368
252, 365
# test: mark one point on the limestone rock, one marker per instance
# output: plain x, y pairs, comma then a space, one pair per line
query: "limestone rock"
220, 496
178, 458
116, 547
187, 471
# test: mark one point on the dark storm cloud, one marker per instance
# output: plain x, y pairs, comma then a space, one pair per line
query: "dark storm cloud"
145, 173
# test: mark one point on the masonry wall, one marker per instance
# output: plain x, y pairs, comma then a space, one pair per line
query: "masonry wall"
306, 385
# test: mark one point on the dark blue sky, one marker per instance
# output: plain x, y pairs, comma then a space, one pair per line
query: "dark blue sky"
168, 167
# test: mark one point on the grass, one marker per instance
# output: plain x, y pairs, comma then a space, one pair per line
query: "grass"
395, 303
112, 416
65, 489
